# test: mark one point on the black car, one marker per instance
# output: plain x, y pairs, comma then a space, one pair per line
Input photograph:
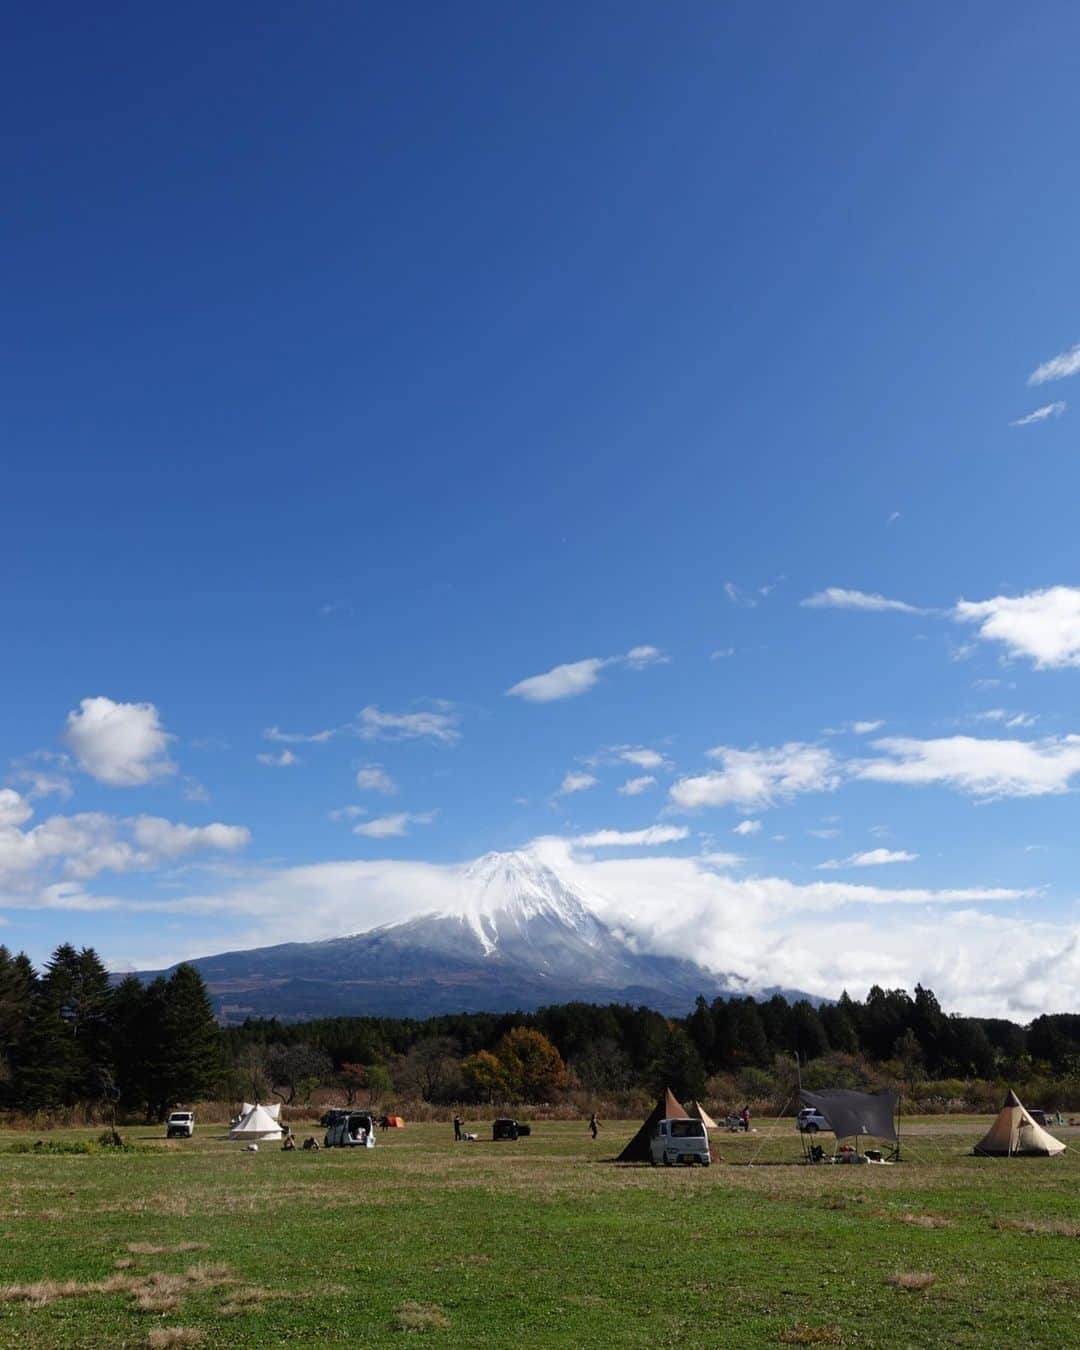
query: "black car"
505, 1128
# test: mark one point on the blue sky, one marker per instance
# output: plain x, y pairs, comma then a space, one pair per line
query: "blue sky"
370, 360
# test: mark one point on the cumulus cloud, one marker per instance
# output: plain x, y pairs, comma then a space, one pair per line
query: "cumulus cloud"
836, 597
282, 760
984, 768
759, 778
875, 857
440, 726
374, 778
1059, 367
647, 838
1039, 415
641, 758
576, 782
578, 677
1043, 626
82, 846
120, 744
634, 787
392, 826
746, 827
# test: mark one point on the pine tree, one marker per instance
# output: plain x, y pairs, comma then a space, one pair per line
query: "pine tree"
191, 1041
66, 1053
18, 985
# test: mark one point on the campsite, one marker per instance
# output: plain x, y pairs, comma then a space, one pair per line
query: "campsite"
542, 1241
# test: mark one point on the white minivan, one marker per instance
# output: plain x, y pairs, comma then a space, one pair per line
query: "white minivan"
679, 1141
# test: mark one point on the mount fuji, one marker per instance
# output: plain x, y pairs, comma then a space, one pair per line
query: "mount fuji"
519, 937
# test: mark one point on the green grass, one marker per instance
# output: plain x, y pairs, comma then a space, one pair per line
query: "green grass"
538, 1243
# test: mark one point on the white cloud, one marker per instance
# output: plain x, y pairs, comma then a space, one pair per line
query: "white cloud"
721, 653
282, 760
348, 812
14, 808
392, 826
759, 778
578, 677
647, 838
1040, 414
1041, 625
299, 737
822, 937
875, 857
637, 658
440, 726
45, 774
826, 832
576, 782
641, 758
565, 681
1006, 718
865, 728
374, 778
746, 827
634, 787
120, 744
836, 597
1059, 367
83, 845
983, 768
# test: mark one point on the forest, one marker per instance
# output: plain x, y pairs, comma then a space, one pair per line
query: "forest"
72, 1035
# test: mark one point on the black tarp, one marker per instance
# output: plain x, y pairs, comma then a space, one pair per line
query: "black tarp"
854, 1113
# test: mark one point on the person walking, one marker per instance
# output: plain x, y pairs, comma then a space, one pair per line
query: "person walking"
594, 1125
457, 1129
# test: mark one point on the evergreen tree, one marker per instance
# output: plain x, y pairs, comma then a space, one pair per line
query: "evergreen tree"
18, 985
190, 1063
66, 1051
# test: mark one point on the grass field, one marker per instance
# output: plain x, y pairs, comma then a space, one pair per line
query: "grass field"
537, 1243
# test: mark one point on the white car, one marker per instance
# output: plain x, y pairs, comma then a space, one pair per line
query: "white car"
679, 1141
180, 1125
810, 1121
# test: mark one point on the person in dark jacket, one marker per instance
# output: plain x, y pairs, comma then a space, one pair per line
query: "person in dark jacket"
457, 1129
594, 1125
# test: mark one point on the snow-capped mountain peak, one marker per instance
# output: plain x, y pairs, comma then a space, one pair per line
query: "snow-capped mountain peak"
509, 895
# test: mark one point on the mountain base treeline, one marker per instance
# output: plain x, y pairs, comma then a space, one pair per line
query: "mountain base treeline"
70, 1037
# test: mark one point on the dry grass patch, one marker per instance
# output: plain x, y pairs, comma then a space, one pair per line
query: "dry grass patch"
804, 1335
912, 1280
156, 1249
925, 1221
1036, 1227
162, 1337
124, 1263
421, 1317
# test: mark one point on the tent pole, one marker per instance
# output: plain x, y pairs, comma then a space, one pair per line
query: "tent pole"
899, 1117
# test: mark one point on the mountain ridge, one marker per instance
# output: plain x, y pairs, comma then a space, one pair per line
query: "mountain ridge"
520, 937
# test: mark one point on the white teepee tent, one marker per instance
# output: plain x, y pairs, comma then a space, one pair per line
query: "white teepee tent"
255, 1123
1015, 1133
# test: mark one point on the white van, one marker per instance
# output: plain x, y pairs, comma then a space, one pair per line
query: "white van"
352, 1129
180, 1125
679, 1141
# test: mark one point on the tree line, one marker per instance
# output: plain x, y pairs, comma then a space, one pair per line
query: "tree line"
71, 1035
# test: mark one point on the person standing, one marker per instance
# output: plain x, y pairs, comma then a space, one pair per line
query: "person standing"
746, 1119
457, 1129
594, 1125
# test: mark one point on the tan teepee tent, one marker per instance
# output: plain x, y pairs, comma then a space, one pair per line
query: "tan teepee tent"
1014, 1133
697, 1112
668, 1107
